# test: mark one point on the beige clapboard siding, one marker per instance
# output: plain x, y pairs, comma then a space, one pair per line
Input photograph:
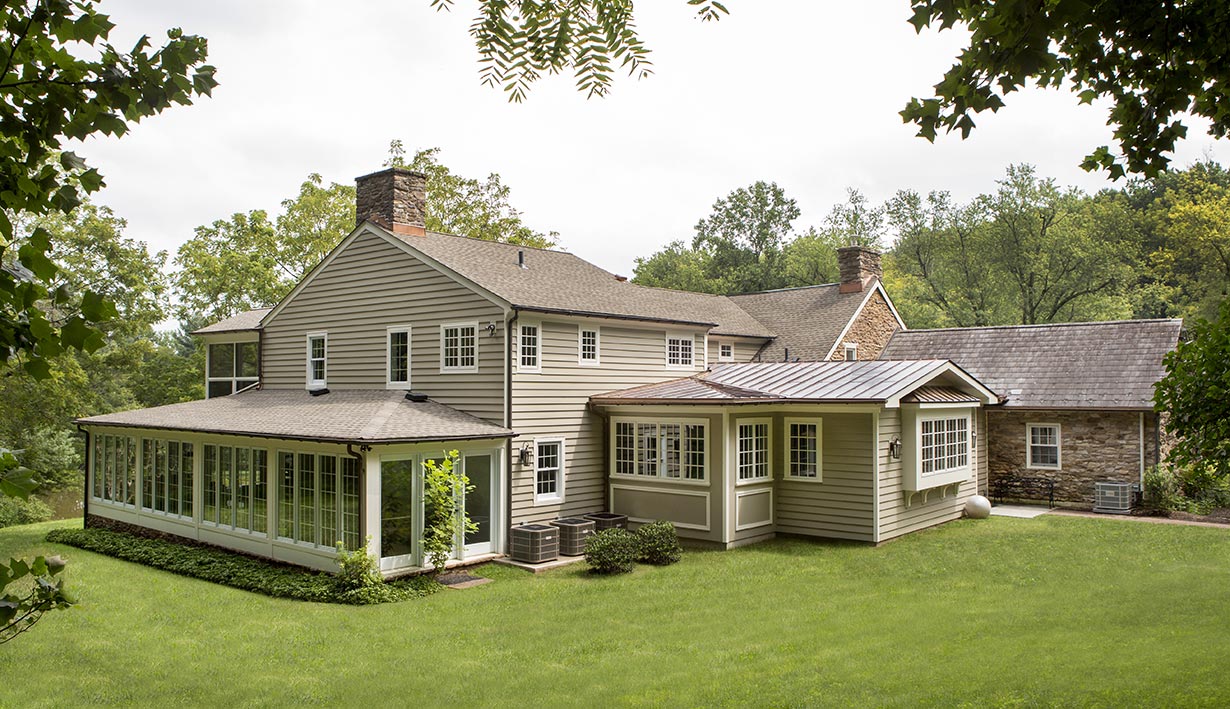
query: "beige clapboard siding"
896, 518
368, 287
746, 349
554, 404
840, 506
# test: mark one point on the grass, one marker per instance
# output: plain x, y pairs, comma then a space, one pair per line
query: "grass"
1002, 612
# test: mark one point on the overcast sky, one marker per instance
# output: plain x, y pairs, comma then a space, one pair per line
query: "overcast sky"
799, 92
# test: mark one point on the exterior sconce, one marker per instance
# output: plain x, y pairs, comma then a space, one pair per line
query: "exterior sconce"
490, 329
526, 455
894, 448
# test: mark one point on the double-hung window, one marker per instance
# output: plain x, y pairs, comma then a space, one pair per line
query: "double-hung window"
398, 354
674, 450
945, 445
1042, 445
803, 449
726, 352
587, 343
232, 366
529, 348
752, 457
548, 470
679, 351
317, 358
459, 347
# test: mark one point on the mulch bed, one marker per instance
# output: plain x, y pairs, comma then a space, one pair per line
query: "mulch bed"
1218, 516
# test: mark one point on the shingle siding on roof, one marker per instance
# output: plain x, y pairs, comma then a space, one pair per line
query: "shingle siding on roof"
807, 321
368, 287
1086, 365
248, 320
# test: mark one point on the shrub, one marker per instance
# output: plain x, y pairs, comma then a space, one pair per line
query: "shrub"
357, 568
14, 510
243, 572
611, 551
1196, 488
657, 543
446, 520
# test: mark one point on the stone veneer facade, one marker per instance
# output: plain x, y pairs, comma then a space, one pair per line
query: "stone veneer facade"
871, 330
395, 198
1094, 446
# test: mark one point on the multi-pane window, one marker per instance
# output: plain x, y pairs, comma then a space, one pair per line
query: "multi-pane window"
588, 347
726, 352
459, 348
232, 366
528, 346
549, 470
679, 350
114, 469
317, 353
666, 449
803, 449
753, 450
944, 445
1043, 445
319, 499
399, 356
236, 487
165, 478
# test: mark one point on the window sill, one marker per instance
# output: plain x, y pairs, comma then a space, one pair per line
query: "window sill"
466, 370
660, 479
801, 479
548, 501
397, 386
754, 481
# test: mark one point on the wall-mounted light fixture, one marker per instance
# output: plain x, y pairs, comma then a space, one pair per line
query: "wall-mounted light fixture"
490, 329
526, 455
894, 448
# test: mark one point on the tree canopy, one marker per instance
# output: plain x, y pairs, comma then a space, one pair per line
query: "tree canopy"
62, 80
1196, 393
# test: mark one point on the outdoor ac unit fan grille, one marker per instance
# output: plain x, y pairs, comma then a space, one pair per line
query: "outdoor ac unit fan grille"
1112, 498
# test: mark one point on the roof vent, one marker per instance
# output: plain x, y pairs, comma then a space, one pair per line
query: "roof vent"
621, 279
521, 258
416, 396
318, 392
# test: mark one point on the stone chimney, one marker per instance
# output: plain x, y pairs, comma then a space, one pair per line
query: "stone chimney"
394, 198
859, 266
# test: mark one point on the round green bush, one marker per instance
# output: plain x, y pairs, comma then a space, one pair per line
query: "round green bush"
611, 551
14, 510
657, 543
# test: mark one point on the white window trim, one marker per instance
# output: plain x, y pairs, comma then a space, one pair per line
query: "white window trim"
768, 450
315, 383
537, 367
1029, 449
969, 449
725, 358
597, 360
234, 380
459, 370
666, 349
851, 348
388, 356
558, 496
658, 475
786, 471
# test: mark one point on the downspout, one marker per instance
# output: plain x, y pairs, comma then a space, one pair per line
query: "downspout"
363, 497
1157, 438
508, 443
1142, 450
606, 454
85, 498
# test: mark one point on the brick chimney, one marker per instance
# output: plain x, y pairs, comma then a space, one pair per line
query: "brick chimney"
394, 198
859, 266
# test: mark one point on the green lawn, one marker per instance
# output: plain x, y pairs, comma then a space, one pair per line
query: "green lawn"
998, 612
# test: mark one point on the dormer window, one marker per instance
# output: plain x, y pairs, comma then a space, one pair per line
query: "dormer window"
398, 357
317, 354
529, 346
459, 347
679, 351
851, 351
232, 366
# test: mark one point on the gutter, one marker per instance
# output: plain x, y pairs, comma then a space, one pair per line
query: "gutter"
309, 439
609, 316
89, 453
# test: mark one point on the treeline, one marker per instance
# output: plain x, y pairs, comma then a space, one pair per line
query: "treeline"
1028, 252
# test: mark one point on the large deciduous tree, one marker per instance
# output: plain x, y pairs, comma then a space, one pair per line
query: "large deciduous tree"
62, 80
1196, 394
744, 237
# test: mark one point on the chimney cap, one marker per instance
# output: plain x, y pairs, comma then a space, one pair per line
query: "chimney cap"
395, 170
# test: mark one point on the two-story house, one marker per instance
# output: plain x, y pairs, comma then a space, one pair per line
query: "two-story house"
565, 389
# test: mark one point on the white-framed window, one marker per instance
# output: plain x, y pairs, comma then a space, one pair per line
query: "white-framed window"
548, 470
459, 347
1042, 446
319, 499
589, 346
944, 444
529, 347
752, 455
232, 366
851, 351
726, 352
668, 449
397, 356
680, 351
317, 359
804, 442
235, 485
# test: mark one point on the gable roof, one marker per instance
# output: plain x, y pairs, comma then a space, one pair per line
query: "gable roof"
243, 322
874, 381
356, 416
808, 321
1101, 365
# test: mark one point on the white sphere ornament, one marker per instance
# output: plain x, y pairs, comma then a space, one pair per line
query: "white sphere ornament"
978, 507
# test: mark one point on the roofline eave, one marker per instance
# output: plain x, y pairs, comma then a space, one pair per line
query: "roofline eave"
307, 439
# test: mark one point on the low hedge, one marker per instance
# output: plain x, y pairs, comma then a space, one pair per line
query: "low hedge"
657, 543
239, 571
611, 551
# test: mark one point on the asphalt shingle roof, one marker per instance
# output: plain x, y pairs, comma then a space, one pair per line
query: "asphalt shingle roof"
249, 320
807, 321
1106, 365
356, 416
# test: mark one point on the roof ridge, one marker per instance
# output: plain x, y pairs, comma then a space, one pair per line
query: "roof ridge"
1042, 325
783, 290
493, 241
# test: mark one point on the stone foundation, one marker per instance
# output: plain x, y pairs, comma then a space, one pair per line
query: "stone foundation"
1094, 446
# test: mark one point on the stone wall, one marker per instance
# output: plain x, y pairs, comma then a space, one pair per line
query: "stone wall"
1094, 446
392, 198
871, 329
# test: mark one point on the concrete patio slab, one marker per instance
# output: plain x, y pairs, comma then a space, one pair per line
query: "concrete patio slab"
544, 566
1019, 511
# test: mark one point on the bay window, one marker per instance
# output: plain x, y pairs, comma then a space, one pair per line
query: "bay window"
667, 449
